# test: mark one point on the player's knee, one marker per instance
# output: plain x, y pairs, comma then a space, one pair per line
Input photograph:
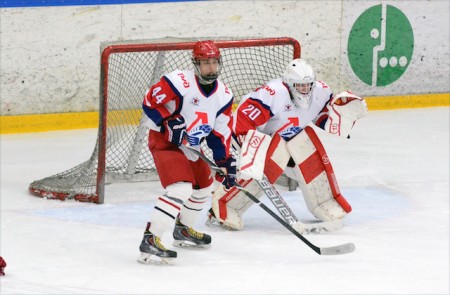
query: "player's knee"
203, 192
179, 190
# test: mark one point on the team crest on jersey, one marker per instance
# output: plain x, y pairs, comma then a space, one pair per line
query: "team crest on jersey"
288, 108
197, 133
290, 132
195, 101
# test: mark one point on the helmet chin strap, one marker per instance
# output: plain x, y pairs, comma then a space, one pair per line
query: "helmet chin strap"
301, 102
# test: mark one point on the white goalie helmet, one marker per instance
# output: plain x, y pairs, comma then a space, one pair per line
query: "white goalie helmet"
300, 78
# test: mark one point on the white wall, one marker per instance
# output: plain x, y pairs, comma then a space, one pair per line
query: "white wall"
50, 55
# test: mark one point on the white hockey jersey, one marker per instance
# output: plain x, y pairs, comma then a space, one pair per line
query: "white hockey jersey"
207, 115
270, 110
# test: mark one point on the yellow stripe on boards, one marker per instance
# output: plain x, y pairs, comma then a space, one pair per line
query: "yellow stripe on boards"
47, 122
67, 121
408, 101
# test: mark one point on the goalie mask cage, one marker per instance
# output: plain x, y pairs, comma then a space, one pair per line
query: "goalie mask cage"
127, 71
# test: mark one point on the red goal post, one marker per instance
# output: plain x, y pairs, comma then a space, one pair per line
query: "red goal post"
127, 70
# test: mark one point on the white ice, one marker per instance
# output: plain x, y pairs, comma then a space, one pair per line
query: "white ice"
394, 171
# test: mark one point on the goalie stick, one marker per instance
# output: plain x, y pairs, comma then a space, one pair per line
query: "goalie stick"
286, 212
334, 250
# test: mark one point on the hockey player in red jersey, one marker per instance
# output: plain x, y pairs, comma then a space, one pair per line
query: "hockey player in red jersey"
187, 105
271, 124
2, 266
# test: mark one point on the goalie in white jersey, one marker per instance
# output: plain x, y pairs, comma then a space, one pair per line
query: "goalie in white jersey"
190, 104
271, 125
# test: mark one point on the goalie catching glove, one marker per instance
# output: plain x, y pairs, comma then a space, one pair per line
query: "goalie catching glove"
228, 166
343, 111
174, 129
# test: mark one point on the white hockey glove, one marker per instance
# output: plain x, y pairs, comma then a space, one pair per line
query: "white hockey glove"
343, 111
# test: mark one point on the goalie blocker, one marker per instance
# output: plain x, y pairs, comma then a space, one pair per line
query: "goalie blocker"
309, 166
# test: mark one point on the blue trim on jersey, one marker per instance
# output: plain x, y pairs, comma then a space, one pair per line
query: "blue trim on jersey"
228, 105
153, 114
213, 90
37, 3
215, 142
322, 123
322, 120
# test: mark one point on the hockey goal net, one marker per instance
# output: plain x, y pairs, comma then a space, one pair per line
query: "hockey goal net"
127, 70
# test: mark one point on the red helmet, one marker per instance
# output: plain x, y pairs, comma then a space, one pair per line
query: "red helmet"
205, 49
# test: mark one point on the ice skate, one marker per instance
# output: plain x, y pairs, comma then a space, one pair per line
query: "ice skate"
153, 251
185, 236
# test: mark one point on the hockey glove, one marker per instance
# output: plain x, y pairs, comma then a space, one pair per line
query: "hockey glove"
229, 168
174, 129
2, 266
343, 111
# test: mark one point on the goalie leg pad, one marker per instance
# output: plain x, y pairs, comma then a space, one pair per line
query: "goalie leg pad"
316, 177
262, 155
277, 158
319, 198
229, 205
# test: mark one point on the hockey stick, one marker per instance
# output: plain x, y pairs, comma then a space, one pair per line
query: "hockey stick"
277, 200
283, 208
286, 212
334, 250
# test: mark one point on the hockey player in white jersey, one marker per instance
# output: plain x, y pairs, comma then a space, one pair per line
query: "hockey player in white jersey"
196, 105
271, 125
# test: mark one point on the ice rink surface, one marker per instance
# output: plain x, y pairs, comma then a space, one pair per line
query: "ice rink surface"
394, 171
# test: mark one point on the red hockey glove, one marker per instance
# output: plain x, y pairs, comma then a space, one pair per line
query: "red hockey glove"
229, 168
2, 266
174, 129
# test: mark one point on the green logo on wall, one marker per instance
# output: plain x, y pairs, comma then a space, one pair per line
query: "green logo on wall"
380, 45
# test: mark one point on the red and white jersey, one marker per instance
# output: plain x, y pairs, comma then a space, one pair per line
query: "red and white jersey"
269, 109
206, 115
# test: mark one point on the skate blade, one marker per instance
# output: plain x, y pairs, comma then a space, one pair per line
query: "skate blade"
146, 258
189, 244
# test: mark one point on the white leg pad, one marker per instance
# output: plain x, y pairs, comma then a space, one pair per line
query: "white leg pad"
229, 205
316, 178
318, 197
277, 158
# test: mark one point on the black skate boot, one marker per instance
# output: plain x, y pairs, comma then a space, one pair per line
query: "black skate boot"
153, 251
185, 236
